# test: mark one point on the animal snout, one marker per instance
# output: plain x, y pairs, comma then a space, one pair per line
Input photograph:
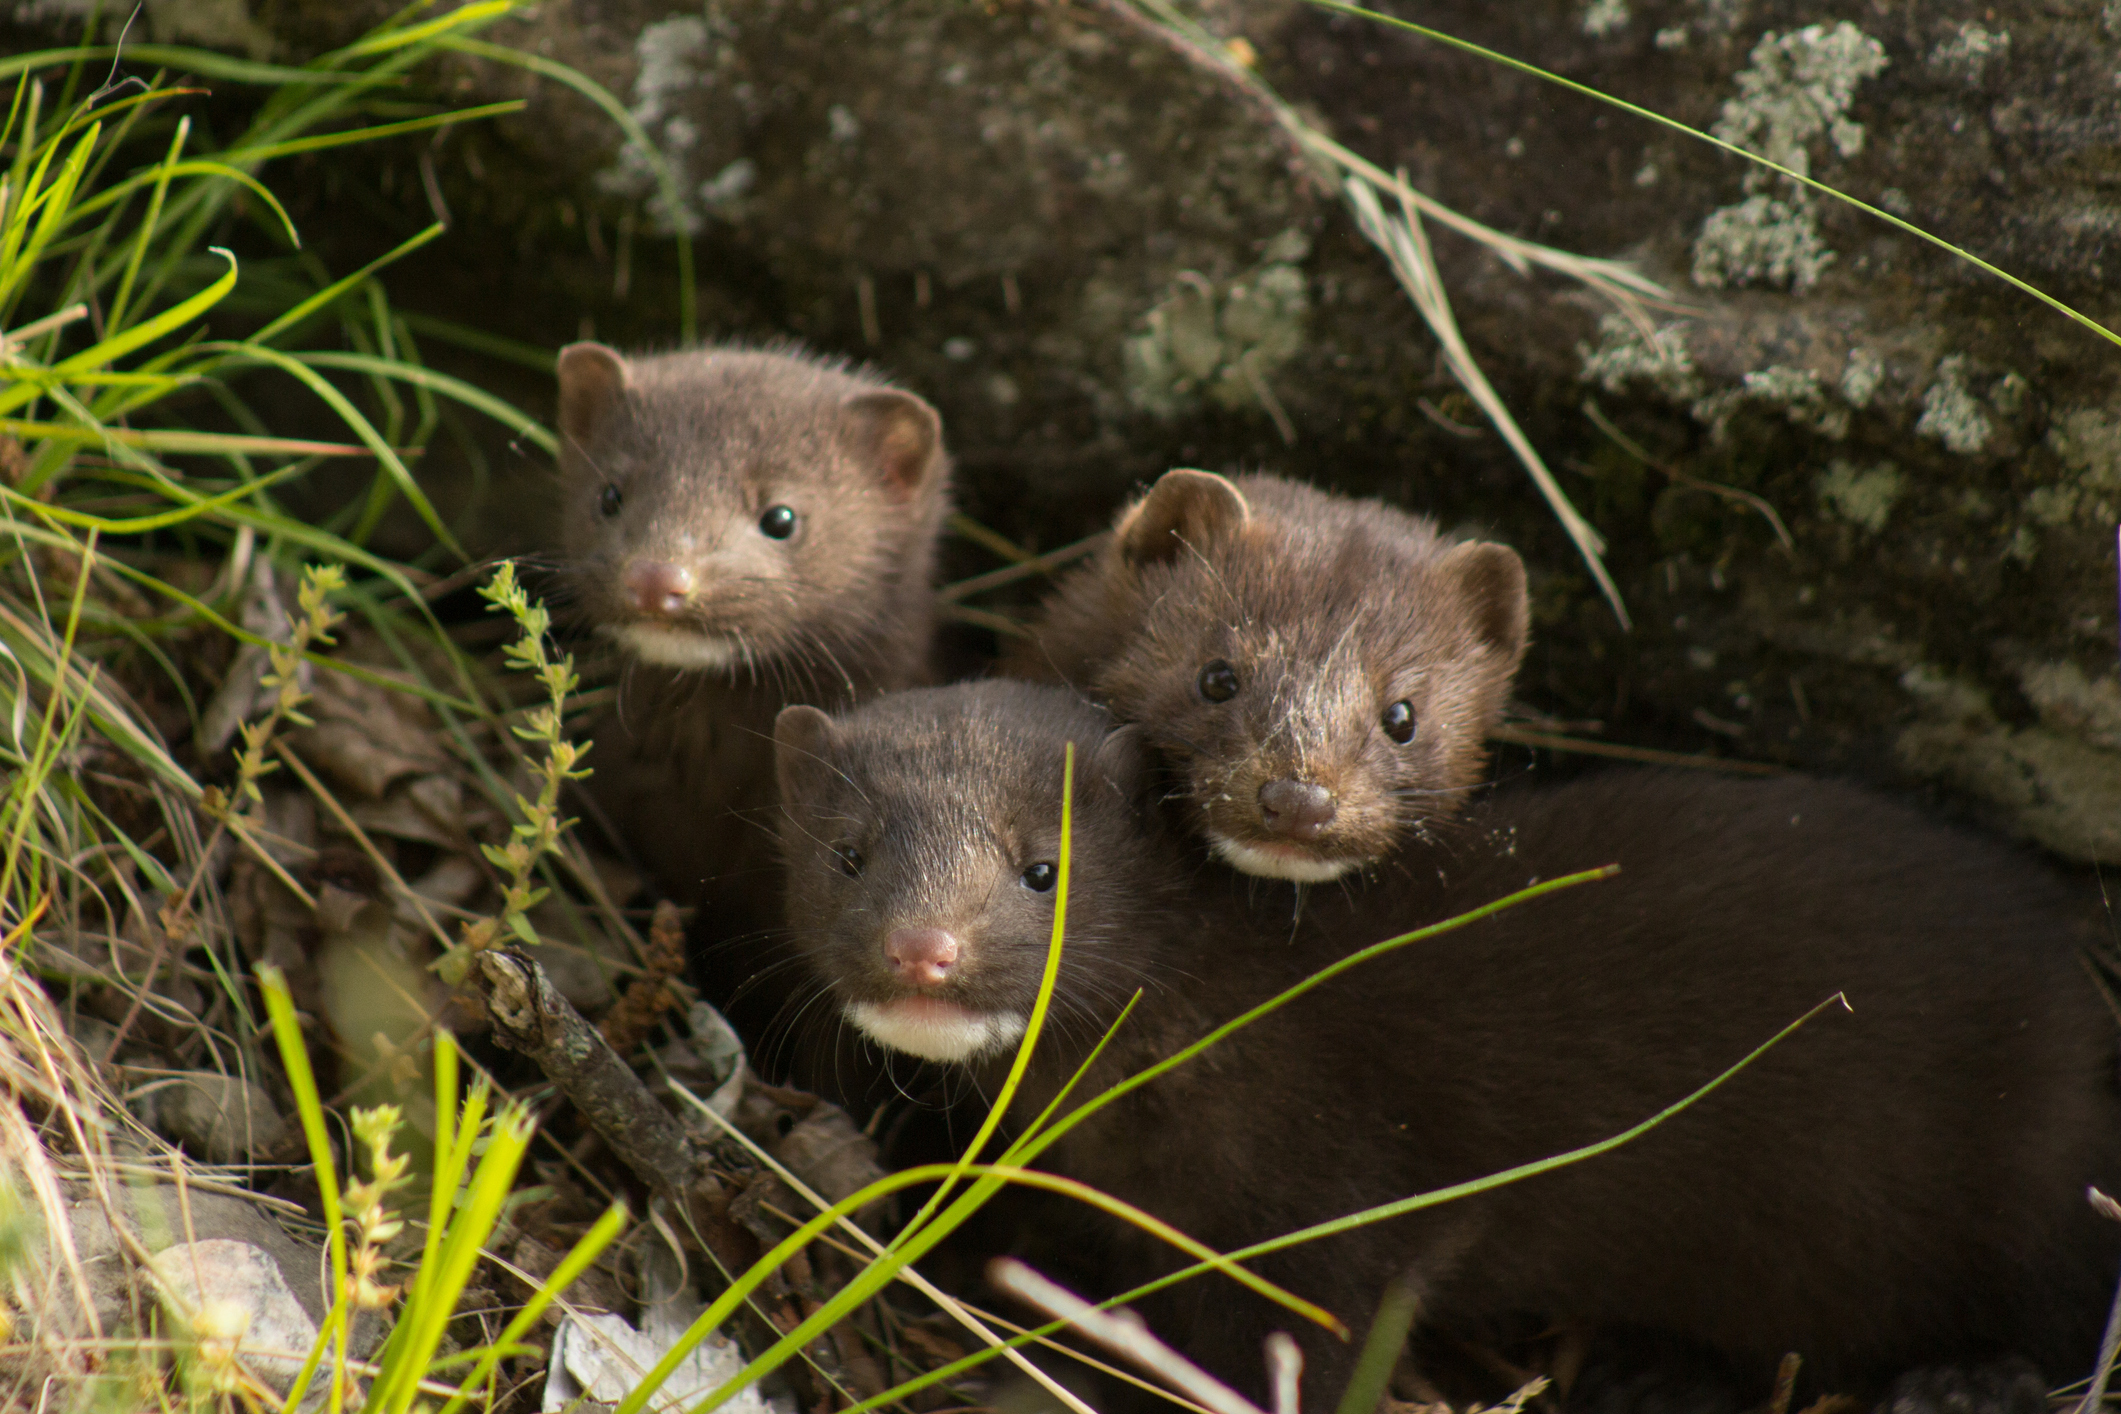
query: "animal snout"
1298, 809
921, 956
657, 588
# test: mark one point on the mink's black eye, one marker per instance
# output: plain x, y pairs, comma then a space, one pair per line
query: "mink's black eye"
1218, 681
851, 861
778, 523
1041, 877
609, 500
1399, 722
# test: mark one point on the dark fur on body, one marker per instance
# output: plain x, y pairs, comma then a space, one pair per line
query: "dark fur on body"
1328, 611
668, 464
1892, 1187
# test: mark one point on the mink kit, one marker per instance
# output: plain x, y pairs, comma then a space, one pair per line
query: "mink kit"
750, 527
1895, 1187
1319, 672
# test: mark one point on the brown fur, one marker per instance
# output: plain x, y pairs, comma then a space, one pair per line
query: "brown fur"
699, 445
1896, 1185
1329, 610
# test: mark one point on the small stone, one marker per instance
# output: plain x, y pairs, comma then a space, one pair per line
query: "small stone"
219, 1118
235, 1299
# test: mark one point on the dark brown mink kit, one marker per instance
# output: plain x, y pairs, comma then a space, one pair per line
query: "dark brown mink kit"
1895, 1187
749, 528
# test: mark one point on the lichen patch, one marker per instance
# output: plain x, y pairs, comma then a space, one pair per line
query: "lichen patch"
1223, 340
1863, 496
1796, 89
1950, 411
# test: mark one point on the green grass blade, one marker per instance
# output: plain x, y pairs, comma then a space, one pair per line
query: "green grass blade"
455, 388
1039, 1007
309, 1107
353, 418
27, 789
23, 184
320, 141
338, 288
1380, 1350
464, 336
469, 1228
52, 204
1317, 979
200, 167
563, 1276
118, 345
177, 442
203, 62
447, 1171
886, 1268
138, 525
1035, 1142
163, 173
1373, 1215
1387, 1211
482, 13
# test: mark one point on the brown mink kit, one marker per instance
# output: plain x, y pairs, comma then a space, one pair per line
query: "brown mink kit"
751, 528
1895, 1188
1321, 673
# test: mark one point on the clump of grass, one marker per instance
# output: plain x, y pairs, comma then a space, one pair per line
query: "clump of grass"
476, 1158
143, 521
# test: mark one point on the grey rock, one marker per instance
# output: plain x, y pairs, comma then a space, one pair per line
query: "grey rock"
222, 1119
158, 1218
235, 1301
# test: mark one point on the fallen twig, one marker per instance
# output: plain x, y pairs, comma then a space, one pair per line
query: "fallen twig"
530, 1016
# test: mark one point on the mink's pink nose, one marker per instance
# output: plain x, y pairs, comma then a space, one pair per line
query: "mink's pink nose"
921, 956
657, 588
1297, 809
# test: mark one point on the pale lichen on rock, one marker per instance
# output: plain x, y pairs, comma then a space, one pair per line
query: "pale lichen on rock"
1950, 411
1861, 377
1863, 496
2088, 440
1604, 17
1762, 240
673, 58
1625, 355
2055, 785
1971, 50
1797, 88
1222, 340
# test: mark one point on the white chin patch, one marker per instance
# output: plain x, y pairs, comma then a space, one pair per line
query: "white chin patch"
675, 648
935, 1030
1275, 864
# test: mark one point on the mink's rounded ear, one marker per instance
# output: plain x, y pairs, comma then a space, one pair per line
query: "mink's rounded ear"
592, 382
1183, 509
803, 738
1489, 584
895, 437
1122, 760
